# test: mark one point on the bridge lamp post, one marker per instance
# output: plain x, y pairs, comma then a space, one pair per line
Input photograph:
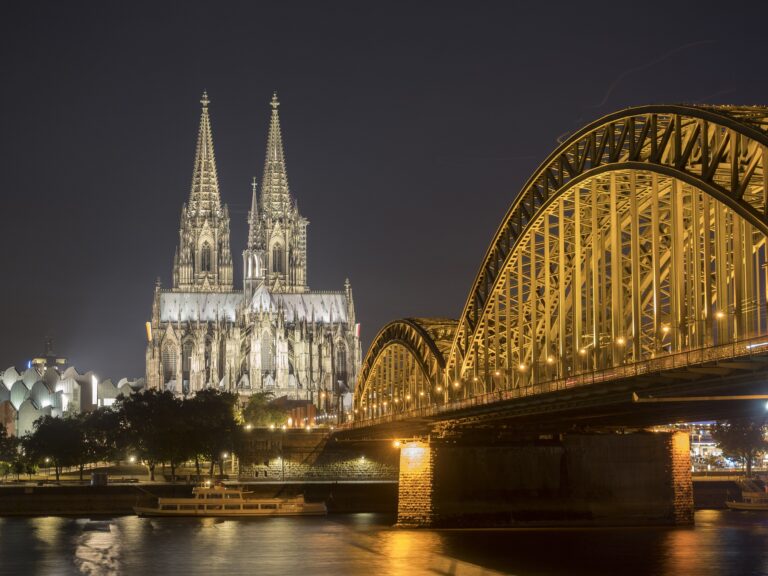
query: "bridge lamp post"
550, 367
496, 380
723, 326
620, 350
585, 360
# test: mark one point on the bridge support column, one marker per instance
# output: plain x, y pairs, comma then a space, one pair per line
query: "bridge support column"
641, 478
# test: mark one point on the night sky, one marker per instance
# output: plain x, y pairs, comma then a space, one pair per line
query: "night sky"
409, 128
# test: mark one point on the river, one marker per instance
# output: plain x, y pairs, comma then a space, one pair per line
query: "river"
723, 543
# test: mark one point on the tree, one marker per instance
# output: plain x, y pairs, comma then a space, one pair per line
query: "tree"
101, 436
742, 440
60, 439
9, 451
216, 432
258, 411
147, 421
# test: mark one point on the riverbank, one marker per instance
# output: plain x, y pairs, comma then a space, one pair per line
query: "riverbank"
340, 497
118, 499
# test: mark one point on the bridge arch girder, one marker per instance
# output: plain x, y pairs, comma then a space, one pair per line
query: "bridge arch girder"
405, 365
722, 151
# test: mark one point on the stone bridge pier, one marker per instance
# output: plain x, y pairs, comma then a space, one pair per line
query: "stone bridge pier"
622, 479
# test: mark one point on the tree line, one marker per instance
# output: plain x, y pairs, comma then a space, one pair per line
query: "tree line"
156, 428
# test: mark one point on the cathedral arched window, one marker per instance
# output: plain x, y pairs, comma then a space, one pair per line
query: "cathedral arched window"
291, 267
186, 360
205, 257
208, 351
168, 358
340, 364
267, 352
277, 259
222, 358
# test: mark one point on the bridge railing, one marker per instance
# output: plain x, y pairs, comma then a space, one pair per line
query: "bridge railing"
757, 346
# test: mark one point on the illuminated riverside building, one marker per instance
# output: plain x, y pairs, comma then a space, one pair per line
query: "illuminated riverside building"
50, 386
275, 335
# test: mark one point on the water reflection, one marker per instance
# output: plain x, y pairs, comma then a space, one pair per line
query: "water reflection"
722, 543
98, 548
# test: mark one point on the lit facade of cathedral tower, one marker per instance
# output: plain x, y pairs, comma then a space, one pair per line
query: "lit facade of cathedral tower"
276, 335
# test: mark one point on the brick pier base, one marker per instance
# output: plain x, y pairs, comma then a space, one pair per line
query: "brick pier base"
641, 478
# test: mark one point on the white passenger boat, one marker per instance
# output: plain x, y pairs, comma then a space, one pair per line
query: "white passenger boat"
750, 501
219, 501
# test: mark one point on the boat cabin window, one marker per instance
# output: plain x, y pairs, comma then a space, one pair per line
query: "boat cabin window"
250, 506
269, 506
232, 507
187, 507
214, 507
168, 507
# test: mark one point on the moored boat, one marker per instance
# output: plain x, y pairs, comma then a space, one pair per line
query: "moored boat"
220, 501
750, 501
752, 498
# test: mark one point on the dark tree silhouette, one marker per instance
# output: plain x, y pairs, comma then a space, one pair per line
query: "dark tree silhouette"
742, 440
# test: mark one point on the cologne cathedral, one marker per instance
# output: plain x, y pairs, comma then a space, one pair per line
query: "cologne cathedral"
275, 335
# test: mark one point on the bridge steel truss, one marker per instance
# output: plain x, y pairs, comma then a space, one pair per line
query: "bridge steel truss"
641, 236
405, 367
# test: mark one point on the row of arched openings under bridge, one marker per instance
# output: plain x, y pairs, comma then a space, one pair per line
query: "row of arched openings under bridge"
638, 244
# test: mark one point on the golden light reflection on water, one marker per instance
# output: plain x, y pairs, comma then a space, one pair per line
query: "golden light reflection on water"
48, 529
721, 544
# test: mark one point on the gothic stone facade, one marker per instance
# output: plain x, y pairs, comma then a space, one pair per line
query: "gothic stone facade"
276, 334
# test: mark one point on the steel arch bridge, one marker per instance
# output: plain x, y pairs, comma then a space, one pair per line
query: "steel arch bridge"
639, 244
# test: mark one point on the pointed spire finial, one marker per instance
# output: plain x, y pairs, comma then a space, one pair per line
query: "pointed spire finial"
275, 102
204, 195
253, 185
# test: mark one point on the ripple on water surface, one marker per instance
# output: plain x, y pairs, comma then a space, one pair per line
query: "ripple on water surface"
721, 544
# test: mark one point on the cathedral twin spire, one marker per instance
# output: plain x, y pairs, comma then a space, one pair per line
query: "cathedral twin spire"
203, 260
204, 196
275, 196
276, 252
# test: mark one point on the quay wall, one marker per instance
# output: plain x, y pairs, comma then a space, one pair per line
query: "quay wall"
118, 500
314, 456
